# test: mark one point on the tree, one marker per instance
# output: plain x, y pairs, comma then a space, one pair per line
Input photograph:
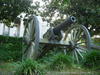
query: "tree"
10, 9
87, 12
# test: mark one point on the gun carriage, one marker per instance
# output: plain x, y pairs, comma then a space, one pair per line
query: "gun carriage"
71, 37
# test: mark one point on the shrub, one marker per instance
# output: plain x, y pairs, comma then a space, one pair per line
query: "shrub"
61, 62
29, 67
10, 48
92, 60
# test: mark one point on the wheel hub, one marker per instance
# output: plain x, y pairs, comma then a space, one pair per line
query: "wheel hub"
72, 45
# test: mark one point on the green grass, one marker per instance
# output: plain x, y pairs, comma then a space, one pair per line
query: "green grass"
92, 60
61, 62
8, 66
21, 67
29, 67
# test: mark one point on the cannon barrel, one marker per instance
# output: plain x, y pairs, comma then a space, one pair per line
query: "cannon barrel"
64, 26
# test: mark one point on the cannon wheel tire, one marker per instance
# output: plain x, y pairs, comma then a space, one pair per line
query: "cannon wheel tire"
31, 39
79, 41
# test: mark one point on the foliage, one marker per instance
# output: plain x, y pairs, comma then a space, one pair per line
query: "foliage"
92, 60
10, 48
50, 56
56, 60
29, 67
10, 9
61, 62
9, 66
85, 13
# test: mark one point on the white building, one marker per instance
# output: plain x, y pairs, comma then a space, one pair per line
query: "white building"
14, 31
17, 31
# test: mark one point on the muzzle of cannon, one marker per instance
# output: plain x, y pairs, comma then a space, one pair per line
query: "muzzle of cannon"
64, 26
55, 33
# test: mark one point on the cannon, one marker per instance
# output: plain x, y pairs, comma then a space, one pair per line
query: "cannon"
57, 32
69, 35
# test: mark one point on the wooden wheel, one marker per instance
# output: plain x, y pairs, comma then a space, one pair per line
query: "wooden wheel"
79, 40
31, 38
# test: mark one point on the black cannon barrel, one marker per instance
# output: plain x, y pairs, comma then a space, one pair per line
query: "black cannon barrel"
64, 26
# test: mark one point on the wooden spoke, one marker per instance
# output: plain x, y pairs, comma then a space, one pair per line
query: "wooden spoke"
78, 35
82, 48
76, 56
82, 51
80, 43
75, 34
78, 51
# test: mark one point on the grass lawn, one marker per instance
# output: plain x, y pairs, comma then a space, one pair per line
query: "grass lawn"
10, 67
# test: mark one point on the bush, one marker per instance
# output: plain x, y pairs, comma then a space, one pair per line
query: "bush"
29, 67
7, 39
56, 60
10, 48
92, 60
61, 62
